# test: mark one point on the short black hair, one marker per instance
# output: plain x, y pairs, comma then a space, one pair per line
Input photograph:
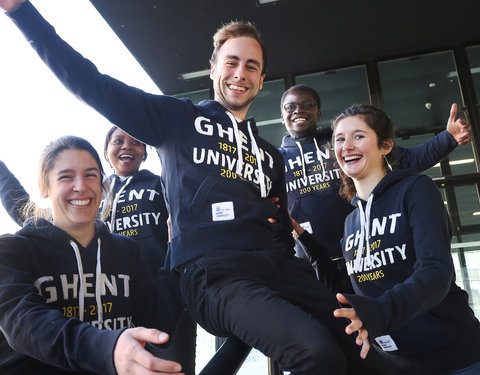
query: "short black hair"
301, 87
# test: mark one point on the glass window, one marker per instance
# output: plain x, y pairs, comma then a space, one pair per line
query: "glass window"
467, 205
465, 216
265, 109
418, 92
205, 348
255, 364
473, 54
195, 96
338, 89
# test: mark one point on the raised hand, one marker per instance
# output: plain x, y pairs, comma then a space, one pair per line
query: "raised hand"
458, 127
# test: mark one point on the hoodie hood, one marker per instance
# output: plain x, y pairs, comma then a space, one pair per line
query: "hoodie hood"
385, 183
45, 230
323, 135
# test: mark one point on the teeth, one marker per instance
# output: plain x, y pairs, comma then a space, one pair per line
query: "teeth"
299, 119
239, 88
126, 157
79, 202
353, 157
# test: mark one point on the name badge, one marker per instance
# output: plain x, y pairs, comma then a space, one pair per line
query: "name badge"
386, 343
223, 211
307, 226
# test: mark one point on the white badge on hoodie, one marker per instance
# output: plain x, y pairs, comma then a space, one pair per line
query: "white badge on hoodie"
222, 211
386, 343
307, 226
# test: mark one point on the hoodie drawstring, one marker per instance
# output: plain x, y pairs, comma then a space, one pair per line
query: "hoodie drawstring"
263, 188
364, 233
304, 170
320, 159
239, 144
98, 279
115, 201
98, 282
256, 151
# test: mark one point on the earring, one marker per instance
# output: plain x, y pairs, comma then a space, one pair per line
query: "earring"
388, 164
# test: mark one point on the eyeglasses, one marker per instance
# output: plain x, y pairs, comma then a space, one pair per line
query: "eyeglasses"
291, 107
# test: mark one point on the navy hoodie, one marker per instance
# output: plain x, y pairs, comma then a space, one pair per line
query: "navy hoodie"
41, 300
139, 212
404, 277
217, 172
314, 201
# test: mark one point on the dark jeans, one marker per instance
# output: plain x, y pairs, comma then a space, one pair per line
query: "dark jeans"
273, 302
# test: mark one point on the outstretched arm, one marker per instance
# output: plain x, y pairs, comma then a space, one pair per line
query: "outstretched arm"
318, 256
12, 194
428, 154
145, 116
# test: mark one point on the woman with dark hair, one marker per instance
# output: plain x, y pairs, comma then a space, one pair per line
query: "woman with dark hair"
397, 250
134, 206
71, 291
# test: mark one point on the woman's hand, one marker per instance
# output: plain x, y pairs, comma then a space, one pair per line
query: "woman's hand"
131, 358
356, 325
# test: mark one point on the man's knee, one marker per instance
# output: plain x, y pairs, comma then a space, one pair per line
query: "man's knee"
316, 356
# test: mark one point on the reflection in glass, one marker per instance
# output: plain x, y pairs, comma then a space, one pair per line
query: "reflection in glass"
338, 89
418, 92
473, 54
195, 96
265, 109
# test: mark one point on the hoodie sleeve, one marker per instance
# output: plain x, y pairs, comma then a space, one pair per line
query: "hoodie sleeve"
32, 328
433, 271
123, 105
426, 155
12, 194
318, 256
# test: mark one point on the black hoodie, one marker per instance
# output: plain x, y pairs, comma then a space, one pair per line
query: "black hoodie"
139, 212
397, 249
48, 325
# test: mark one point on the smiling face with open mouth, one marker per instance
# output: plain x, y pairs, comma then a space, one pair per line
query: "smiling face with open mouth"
300, 114
237, 74
357, 150
74, 190
124, 153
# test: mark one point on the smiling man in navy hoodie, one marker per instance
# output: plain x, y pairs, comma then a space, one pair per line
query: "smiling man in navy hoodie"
238, 273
